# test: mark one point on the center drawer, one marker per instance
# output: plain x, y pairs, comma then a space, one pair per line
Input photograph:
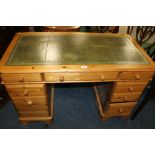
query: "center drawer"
26, 90
30, 103
75, 77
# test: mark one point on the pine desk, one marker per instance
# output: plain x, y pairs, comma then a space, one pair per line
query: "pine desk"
34, 60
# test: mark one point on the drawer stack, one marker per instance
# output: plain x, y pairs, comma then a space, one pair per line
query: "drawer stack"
124, 95
127, 92
29, 96
30, 99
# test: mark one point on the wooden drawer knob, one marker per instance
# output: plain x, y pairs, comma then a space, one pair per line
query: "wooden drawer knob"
121, 110
61, 78
137, 77
125, 99
26, 93
21, 79
102, 77
30, 103
130, 89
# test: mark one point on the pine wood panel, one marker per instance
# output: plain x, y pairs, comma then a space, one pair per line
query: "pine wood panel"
76, 68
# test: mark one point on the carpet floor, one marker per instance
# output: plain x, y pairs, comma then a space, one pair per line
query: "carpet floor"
75, 108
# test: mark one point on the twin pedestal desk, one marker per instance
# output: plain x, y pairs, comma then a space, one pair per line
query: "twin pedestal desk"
119, 68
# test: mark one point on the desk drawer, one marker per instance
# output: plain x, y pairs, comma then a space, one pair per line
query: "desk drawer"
136, 75
120, 108
75, 77
128, 87
11, 78
34, 113
26, 90
125, 97
30, 103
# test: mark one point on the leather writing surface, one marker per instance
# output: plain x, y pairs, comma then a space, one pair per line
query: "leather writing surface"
74, 49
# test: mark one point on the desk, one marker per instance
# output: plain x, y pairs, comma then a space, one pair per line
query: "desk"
34, 60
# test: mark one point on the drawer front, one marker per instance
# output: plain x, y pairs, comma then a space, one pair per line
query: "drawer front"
136, 75
120, 108
75, 77
26, 90
10, 78
128, 87
34, 113
125, 97
30, 103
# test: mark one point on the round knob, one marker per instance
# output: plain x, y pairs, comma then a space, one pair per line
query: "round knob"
121, 110
102, 77
137, 77
21, 79
26, 93
29, 103
125, 99
130, 89
61, 78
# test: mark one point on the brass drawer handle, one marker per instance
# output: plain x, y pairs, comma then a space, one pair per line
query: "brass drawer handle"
61, 78
30, 103
102, 77
21, 79
26, 93
130, 89
121, 110
137, 77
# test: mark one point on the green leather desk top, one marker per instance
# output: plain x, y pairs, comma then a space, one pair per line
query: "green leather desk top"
74, 49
